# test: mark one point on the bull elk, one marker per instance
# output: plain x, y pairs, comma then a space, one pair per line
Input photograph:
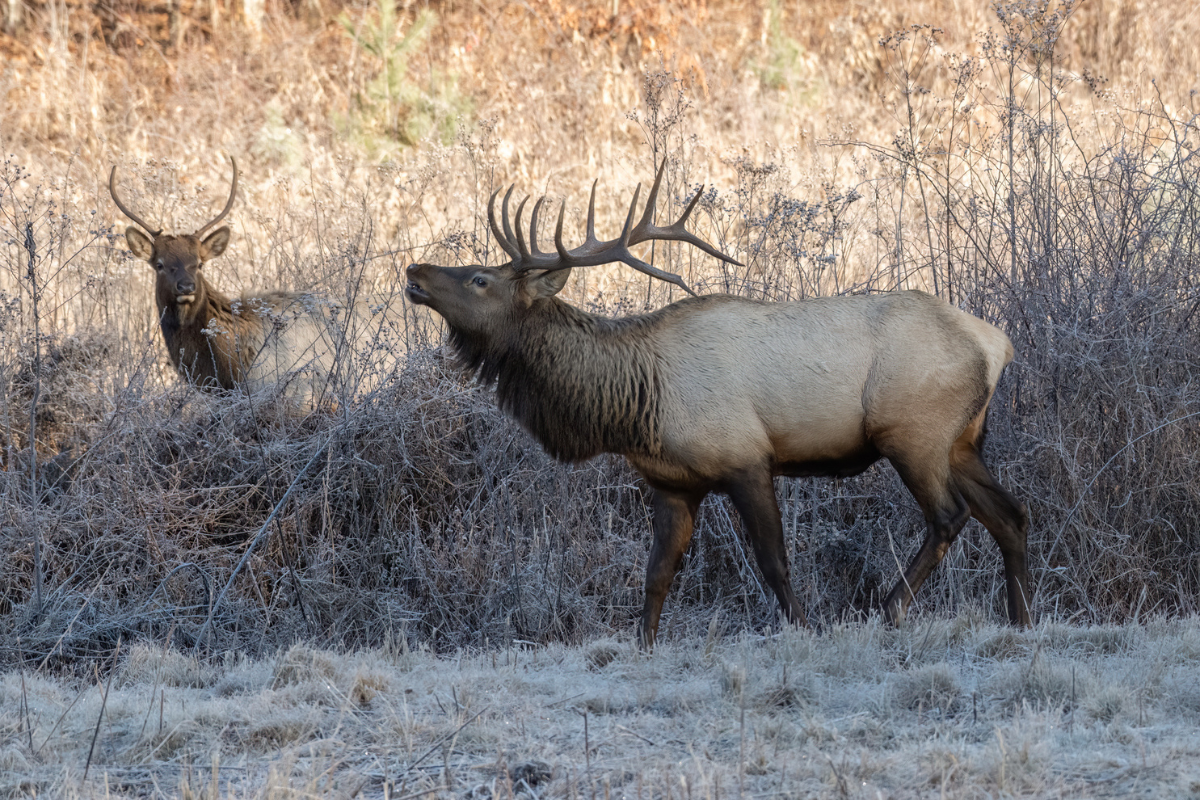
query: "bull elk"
298, 344
721, 393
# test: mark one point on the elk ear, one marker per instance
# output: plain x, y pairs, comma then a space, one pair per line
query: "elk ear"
215, 243
547, 284
139, 243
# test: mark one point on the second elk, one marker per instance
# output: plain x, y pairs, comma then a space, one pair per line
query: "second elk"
722, 393
304, 347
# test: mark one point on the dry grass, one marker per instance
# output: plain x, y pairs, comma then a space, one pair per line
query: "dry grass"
419, 520
419, 507
859, 711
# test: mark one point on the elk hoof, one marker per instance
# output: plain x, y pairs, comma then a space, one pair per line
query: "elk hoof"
646, 639
895, 614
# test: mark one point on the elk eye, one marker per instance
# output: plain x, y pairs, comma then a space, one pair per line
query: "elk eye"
158, 265
479, 281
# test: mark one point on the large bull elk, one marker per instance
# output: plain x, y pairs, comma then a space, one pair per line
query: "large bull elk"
302, 346
721, 393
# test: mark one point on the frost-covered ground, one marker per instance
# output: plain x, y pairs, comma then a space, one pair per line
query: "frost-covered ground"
947, 708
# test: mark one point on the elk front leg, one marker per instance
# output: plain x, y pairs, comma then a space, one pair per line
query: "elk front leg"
674, 519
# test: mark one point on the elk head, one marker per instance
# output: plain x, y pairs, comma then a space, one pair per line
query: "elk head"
481, 302
177, 260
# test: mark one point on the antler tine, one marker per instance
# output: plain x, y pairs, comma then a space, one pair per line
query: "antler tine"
525, 255
687, 212
533, 228
508, 231
591, 244
655, 272
505, 244
228, 203
652, 198
564, 255
591, 222
112, 190
622, 252
628, 230
676, 230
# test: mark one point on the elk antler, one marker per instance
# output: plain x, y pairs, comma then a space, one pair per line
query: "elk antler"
594, 252
228, 203
112, 190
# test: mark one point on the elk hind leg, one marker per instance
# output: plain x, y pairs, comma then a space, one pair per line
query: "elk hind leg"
1006, 519
674, 520
753, 494
945, 510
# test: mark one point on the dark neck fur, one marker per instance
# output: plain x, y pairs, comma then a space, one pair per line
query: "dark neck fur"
581, 384
208, 361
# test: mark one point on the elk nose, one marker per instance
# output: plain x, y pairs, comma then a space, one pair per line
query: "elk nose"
415, 273
185, 287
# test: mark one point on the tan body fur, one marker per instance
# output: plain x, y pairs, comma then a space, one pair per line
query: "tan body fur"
812, 388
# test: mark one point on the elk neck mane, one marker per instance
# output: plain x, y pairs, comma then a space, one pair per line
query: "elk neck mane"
580, 383
210, 344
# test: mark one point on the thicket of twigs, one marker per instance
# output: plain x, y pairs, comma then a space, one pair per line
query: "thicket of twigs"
1065, 212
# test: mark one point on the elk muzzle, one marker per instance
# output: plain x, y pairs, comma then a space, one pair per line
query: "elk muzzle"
185, 292
415, 291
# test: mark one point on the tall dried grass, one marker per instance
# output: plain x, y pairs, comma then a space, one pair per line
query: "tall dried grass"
998, 171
